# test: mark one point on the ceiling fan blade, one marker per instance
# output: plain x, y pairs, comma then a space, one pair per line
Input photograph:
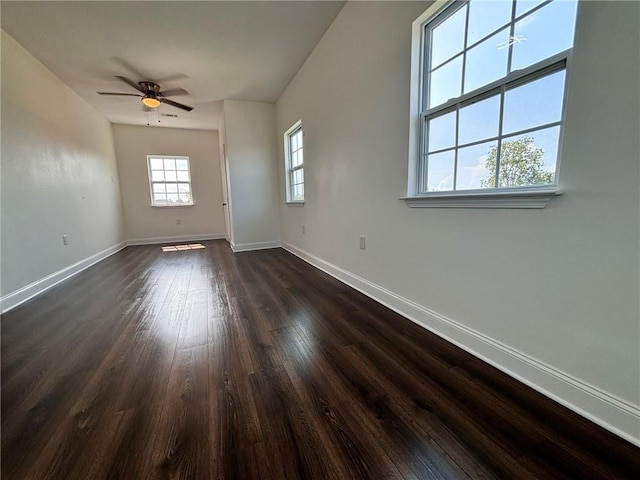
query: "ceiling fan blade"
176, 104
171, 78
124, 94
131, 83
175, 91
124, 64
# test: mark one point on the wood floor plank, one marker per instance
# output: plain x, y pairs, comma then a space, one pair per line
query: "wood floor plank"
205, 364
329, 404
182, 443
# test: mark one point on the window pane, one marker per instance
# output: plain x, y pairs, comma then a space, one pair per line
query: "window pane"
544, 33
529, 159
479, 120
298, 192
534, 103
156, 164
526, 5
182, 164
487, 61
298, 177
442, 131
169, 164
164, 177
448, 37
474, 166
440, 171
445, 82
485, 17
295, 141
296, 158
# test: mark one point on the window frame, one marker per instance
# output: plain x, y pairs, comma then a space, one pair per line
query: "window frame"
164, 182
534, 196
289, 169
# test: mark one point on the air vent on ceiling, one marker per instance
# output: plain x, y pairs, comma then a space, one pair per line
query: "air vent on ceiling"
172, 115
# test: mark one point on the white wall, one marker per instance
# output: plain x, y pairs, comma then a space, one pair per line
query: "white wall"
551, 296
251, 143
59, 176
145, 223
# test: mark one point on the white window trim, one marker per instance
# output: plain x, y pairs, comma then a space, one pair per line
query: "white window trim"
287, 164
533, 197
522, 197
177, 157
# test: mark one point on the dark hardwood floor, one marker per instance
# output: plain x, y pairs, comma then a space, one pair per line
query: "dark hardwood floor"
203, 364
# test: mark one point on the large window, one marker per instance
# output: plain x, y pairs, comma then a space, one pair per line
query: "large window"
294, 163
492, 91
170, 181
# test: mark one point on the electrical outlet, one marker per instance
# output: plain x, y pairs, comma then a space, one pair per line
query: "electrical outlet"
65, 239
178, 222
303, 229
363, 242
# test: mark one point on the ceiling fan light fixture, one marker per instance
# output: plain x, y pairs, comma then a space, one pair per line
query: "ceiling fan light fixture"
151, 102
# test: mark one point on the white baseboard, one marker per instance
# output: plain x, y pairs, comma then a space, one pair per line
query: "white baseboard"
176, 239
13, 299
601, 407
245, 247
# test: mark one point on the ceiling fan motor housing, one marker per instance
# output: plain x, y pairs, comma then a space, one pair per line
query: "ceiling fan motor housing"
150, 87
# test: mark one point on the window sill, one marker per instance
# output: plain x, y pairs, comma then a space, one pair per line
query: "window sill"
294, 204
174, 206
529, 198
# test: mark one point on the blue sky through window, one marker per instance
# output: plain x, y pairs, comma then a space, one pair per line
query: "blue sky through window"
445, 82
544, 33
487, 61
442, 132
472, 166
486, 17
479, 120
441, 167
446, 38
527, 102
534, 103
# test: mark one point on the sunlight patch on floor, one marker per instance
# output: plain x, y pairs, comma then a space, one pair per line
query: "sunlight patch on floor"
176, 248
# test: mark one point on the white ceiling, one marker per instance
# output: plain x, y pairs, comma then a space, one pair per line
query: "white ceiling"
215, 50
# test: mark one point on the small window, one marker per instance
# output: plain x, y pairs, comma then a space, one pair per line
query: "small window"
294, 163
169, 181
492, 91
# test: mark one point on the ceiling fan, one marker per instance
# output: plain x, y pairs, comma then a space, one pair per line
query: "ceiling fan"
151, 95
